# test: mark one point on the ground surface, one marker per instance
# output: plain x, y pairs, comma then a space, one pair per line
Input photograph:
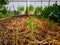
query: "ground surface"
16, 30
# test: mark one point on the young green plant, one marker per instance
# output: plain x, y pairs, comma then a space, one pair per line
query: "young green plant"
32, 25
31, 8
38, 9
21, 8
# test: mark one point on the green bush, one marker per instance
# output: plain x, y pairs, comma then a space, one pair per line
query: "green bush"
1, 15
4, 10
21, 8
32, 25
31, 8
46, 11
9, 15
56, 14
5, 15
52, 13
2, 3
38, 9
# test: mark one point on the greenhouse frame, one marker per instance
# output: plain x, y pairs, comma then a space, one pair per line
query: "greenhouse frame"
35, 3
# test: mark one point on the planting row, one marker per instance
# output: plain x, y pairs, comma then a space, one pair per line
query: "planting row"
28, 10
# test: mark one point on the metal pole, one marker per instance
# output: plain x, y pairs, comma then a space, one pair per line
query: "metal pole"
28, 4
41, 3
55, 5
18, 9
56, 1
14, 10
26, 7
49, 3
34, 6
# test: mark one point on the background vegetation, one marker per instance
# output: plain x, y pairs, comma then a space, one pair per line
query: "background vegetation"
48, 12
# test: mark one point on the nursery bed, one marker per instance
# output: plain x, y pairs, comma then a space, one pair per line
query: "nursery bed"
16, 31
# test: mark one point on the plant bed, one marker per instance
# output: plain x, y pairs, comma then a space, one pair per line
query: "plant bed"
38, 10
31, 10
22, 10
17, 30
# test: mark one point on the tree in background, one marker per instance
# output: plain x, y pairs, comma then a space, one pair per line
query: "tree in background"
2, 3
3, 9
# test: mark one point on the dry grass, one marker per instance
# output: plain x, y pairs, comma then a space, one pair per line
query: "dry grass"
16, 30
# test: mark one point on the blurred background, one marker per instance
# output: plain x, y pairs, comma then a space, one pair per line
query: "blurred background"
35, 3
47, 9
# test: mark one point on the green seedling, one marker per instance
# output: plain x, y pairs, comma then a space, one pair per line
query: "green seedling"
32, 25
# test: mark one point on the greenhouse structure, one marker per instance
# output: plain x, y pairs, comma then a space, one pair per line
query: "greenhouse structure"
32, 2
29, 22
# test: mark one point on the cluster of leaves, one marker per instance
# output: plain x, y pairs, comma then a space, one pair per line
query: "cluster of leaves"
21, 8
3, 9
46, 11
56, 14
2, 3
38, 9
3, 12
31, 8
1, 15
5, 15
51, 13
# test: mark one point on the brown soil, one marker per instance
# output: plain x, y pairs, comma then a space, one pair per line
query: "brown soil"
16, 31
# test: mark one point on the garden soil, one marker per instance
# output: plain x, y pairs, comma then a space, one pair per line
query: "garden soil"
16, 31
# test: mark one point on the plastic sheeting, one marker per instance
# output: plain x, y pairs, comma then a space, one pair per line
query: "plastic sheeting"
33, 0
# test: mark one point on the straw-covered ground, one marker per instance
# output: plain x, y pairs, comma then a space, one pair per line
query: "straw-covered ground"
16, 31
